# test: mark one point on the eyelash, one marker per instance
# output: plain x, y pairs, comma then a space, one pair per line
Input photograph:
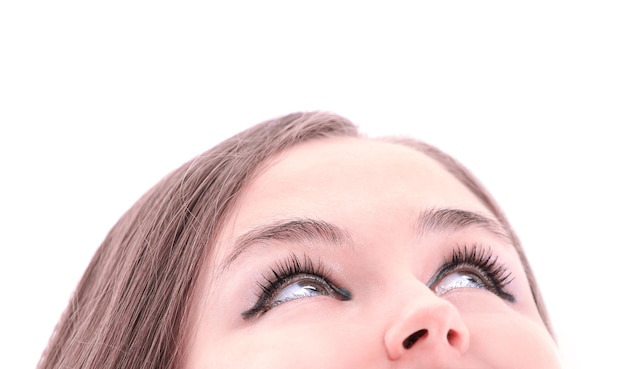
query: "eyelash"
476, 259
288, 271
482, 262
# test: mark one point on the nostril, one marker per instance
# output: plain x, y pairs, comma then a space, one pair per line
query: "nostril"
453, 338
410, 340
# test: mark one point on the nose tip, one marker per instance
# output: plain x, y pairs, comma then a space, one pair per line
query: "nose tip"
431, 326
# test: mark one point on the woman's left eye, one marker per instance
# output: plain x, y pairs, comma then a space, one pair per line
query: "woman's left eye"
458, 280
473, 267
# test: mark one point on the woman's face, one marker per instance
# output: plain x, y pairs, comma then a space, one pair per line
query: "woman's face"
352, 253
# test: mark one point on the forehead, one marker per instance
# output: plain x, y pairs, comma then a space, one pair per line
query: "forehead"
338, 178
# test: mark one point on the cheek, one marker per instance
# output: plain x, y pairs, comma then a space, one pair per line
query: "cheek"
506, 340
312, 343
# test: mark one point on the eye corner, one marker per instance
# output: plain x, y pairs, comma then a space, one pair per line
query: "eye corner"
256, 311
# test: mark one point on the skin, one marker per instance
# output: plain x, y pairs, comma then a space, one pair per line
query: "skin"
375, 192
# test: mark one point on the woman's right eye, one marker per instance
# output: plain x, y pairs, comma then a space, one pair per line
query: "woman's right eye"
306, 287
292, 280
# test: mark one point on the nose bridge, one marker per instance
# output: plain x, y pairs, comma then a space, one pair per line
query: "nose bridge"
425, 322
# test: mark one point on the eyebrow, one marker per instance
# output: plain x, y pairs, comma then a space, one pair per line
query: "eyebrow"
301, 231
439, 220
306, 230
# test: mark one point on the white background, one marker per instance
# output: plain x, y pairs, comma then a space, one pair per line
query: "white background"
98, 101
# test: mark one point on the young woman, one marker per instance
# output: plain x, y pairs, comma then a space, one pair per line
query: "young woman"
300, 243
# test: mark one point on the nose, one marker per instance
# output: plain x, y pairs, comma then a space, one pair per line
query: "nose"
425, 323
